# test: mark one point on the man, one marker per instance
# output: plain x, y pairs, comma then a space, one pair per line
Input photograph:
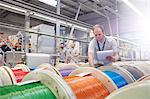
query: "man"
100, 43
73, 53
4, 47
62, 53
17, 47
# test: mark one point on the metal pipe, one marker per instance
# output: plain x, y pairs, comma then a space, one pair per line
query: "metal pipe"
109, 24
35, 32
94, 10
57, 30
117, 23
76, 17
21, 7
42, 33
27, 26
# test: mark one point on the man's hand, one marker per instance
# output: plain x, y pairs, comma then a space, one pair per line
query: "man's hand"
111, 58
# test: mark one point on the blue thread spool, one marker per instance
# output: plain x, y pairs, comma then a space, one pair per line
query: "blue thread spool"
118, 80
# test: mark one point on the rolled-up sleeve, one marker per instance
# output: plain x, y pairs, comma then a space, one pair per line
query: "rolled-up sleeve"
91, 47
114, 45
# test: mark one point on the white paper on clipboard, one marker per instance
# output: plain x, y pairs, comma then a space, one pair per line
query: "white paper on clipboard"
101, 55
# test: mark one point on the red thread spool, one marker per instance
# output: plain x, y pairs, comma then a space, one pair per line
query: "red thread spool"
19, 74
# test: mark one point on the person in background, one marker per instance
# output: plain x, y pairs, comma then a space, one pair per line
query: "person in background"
17, 47
6, 48
101, 42
62, 53
1, 57
73, 54
30, 49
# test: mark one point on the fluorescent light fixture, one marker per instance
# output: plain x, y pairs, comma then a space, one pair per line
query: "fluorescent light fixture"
45, 17
13, 8
54, 20
49, 2
81, 28
128, 3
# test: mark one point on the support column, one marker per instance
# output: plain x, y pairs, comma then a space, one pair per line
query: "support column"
117, 23
26, 34
109, 24
57, 30
76, 17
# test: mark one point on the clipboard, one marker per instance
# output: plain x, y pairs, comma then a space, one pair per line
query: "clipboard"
101, 55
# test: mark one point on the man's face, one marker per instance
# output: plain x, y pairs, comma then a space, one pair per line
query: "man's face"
61, 45
99, 35
73, 45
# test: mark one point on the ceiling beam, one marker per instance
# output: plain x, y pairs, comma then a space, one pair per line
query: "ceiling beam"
74, 7
67, 12
94, 10
27, 0
105, 6
11, 5
3, 13
112, 11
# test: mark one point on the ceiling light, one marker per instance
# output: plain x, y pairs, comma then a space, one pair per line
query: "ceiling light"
128, 3
13, 8
49, 2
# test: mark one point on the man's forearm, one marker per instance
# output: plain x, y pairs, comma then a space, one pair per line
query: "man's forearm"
116, 56
90, 59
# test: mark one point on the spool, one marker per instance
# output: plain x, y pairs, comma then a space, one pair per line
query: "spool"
46, 66
144, 67
122, 63
64, 64
108, 83
134, 70
87, 87
144, 78
118, 79
19, 74
121, 71
83, 64
138, 90
59, 64
7, 76
1, 82
19, 71
14, 75
34, 90
23, 67
54, 82
66, 69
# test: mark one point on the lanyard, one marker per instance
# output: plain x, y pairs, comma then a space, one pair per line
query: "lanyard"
99, 49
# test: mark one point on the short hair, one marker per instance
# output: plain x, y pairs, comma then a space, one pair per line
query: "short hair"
98, 26
1, 33
62, 43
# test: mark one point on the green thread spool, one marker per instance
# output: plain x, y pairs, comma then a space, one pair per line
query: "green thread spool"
34, 90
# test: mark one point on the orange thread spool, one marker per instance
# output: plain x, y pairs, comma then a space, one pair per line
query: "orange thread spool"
19, 74
87, 87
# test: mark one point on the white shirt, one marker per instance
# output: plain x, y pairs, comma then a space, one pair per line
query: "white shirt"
62, 53
110, 44
73, 55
